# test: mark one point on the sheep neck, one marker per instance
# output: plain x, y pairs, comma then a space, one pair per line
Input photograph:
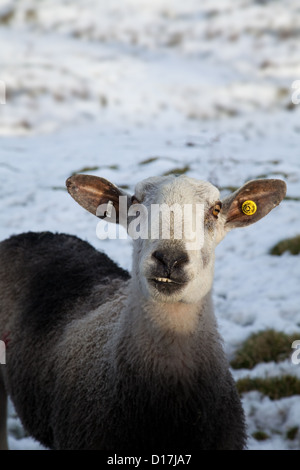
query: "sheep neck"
170, 337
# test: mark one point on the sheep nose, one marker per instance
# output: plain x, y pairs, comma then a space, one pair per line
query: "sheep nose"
169, 260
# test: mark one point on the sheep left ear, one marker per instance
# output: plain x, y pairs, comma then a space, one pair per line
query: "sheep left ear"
252, 202
94, 193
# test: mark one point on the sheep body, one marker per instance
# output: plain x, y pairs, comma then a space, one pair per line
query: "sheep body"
86, 382
100, 359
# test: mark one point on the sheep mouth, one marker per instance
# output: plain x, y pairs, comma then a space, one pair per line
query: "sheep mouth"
166, 285
164, 280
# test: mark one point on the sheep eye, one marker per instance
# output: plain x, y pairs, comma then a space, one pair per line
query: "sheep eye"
217, 209
134, 200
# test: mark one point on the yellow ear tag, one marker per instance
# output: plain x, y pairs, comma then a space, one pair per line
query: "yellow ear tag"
249, 207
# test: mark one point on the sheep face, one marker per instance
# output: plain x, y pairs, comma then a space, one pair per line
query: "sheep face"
176, 223
174, 257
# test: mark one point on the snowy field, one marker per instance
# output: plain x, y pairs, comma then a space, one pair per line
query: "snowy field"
128, 89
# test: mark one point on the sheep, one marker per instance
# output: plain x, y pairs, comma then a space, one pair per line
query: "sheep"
98, 358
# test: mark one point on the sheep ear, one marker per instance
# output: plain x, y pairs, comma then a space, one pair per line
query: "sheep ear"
97, 195
252, 202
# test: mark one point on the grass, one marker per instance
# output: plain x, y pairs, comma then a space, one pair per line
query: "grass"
6, 16
273, 173
59, 188
149, 160
86, 169
292, 198
231, 189
177, 171
260, 436
292, 433
290, 244
154, 159
273, 387
264, 346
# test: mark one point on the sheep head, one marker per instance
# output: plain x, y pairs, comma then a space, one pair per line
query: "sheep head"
176, 223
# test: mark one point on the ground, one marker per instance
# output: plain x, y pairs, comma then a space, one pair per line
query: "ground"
131, 89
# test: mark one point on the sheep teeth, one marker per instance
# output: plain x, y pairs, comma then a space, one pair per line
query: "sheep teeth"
163, 279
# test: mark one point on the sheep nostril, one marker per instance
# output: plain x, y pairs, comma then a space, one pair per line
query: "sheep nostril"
170, 262
179, 262
159, 256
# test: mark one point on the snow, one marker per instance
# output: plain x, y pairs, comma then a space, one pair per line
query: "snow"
207, 85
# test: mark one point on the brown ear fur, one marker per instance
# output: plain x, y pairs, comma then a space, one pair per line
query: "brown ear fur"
92, 191
266, 193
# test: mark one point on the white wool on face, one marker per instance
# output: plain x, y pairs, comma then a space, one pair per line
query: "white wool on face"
184, 202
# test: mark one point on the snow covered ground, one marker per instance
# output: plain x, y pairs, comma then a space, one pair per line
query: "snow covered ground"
134, 88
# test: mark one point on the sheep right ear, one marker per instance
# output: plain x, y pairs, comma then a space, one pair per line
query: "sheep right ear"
252, 202
98, 196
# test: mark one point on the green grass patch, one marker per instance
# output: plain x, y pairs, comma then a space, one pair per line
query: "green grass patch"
273, 173
263, 346
178, 171
260, 435
85, 169
292, 433
111, 167
231, 189
149, 160
273, 387
290, 244
7, 15
292, 198
59, 188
